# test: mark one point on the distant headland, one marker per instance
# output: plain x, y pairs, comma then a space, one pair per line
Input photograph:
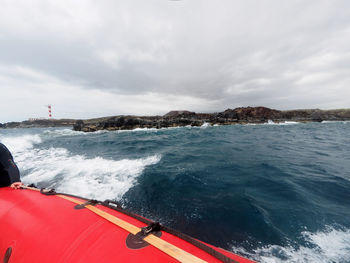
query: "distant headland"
242, 115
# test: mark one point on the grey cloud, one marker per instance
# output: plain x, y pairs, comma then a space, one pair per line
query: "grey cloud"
72, 64
234, 52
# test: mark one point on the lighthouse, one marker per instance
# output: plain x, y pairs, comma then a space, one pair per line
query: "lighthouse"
50, 112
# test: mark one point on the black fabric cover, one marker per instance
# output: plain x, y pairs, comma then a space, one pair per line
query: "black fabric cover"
9, 172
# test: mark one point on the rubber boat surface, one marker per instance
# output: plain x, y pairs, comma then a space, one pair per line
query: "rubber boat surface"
37, 227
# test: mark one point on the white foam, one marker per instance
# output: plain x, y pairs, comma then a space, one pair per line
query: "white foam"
344, 122
70, 132
64, 132
18, 144
331, 245
141, 129
205, 125
136, 130
97, 178
329, 121
270, 122
291, 122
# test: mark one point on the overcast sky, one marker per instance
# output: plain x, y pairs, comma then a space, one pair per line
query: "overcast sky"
93, 58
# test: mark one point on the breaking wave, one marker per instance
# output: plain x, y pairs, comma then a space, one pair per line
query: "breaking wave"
20, 144
270, 122
57, 168
331, 245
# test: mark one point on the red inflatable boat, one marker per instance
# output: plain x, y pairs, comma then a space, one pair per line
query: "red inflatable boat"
51, 227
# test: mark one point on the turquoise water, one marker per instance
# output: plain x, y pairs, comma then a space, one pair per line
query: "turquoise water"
270, 192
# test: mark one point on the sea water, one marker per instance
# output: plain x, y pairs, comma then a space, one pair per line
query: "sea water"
274, 192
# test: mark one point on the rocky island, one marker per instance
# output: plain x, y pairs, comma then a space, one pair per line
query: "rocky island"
242, 115
39, 123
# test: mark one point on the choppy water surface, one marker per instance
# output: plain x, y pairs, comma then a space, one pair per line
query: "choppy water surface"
270, 192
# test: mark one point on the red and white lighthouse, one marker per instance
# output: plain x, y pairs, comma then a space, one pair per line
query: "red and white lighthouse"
50, 113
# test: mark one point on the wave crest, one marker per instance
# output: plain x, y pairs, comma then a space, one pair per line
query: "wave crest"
330, 245
57, 168
97, 178
19, 144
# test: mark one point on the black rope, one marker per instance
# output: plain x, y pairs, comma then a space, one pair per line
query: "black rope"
211, 251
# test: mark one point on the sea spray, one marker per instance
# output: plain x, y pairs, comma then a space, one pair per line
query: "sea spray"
329, 245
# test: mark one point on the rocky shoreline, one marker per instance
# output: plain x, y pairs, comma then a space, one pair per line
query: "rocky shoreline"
242, 115
39, 123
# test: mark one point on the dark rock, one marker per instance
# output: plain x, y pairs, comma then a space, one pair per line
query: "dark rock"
78, 125
228, 114
91, 128
197, 123
40, 123
316, 116
297, 115
180, 114
249, 114
12, 124
257, 113
227, 117
113, 122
